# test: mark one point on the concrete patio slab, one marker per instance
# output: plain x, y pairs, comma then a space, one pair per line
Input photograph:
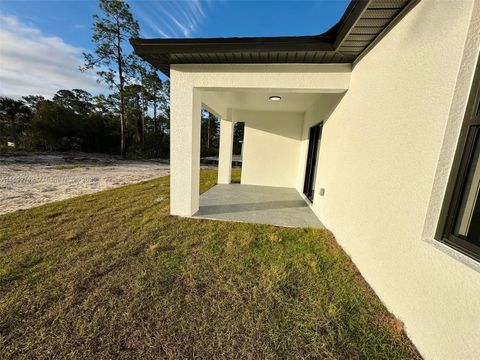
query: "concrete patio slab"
257, 204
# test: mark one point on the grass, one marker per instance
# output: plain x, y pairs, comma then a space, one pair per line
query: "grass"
236, 175
112, 275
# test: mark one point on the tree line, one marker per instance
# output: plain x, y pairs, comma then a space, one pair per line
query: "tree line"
133, 119
74, 120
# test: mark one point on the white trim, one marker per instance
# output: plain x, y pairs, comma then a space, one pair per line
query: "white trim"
455, 254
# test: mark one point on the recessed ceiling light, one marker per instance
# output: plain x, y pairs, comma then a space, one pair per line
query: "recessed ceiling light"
275, 98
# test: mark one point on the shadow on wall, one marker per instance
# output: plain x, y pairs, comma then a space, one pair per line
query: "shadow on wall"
264, 68
291, 124
320, 111
280, 123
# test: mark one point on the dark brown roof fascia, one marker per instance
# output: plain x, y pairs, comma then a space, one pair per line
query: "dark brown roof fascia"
212, 45
349, 19
363, 25
386, 30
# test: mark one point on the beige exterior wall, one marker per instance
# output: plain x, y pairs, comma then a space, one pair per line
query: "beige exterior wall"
386, 151
271, 147
185, 108
384, 159
225, 150
294, 77
190, 87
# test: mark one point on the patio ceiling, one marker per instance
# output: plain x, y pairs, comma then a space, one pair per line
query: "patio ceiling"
258, 100
364, 23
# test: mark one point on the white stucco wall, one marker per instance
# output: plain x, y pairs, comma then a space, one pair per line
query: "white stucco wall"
385, 154
190, 87
379, 158
271, 147
225, 150
296, 77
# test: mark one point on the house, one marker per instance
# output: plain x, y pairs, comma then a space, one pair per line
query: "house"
377, 126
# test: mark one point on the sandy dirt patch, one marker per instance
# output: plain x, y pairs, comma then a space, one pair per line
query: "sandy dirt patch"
34, 179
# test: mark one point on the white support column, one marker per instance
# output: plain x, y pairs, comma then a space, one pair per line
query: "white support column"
226, 149
185, 107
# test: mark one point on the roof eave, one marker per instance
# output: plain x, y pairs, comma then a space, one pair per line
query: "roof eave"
361, 27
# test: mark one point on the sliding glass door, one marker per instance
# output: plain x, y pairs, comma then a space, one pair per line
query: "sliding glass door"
312, 154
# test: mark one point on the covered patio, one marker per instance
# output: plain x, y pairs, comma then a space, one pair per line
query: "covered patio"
257, 204
393, 169
275, 144
234, 78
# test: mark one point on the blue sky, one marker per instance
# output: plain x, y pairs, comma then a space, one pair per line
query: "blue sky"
41, 40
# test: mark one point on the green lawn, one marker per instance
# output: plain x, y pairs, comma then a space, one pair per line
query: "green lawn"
112, 275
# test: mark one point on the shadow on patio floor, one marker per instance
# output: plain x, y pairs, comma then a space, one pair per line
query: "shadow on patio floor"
257, 204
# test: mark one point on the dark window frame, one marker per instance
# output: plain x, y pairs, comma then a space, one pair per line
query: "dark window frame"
469, 134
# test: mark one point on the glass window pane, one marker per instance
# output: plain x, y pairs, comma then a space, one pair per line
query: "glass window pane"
470, 197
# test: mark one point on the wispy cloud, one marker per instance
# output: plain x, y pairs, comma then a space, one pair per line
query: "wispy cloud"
169, 18
32, 63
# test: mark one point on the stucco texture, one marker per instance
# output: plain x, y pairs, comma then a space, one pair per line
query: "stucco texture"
190, 88
389, 135
378, 161
271, 147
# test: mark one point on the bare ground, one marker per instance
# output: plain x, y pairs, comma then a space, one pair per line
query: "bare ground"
28, 180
